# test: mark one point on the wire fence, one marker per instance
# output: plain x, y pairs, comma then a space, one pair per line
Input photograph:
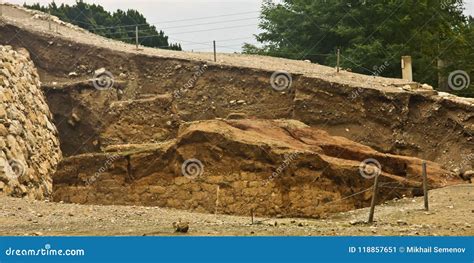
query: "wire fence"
386, 185
349, 197
143, 34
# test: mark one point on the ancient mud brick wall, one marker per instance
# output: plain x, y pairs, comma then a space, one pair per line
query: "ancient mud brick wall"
29, 146
107, 179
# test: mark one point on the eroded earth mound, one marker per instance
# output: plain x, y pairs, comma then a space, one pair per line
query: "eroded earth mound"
271, 167
176, 129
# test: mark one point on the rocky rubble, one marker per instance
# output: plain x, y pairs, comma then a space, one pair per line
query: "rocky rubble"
28, 138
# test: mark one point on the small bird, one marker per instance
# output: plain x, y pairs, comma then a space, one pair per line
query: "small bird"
181, 227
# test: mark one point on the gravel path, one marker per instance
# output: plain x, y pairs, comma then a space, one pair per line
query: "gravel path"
451, 214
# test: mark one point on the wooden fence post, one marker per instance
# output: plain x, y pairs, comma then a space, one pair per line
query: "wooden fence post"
425, 185
374, 199
49, 21
136, 37
338, 59
215, 55
252, 215
217, 199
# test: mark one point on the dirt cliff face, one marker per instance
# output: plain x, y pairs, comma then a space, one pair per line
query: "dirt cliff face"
270, 167
386, 114
28, 138
127, 142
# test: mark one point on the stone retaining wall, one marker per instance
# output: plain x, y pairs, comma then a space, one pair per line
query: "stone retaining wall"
28, 139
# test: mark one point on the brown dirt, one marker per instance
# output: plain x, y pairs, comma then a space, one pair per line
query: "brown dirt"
451, 214
377, 112
385, 114
275, 167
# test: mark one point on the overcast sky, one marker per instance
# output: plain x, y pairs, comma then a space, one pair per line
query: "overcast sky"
230, 22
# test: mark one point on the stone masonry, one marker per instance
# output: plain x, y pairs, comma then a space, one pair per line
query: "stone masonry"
28, 139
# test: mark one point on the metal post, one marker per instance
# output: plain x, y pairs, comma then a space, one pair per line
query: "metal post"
407, 70
374, 199
217, 199
338, 59
136, 37
215, 55
49, 20
252, 215
425, 185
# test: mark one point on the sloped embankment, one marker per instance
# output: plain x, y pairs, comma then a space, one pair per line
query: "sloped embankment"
379, 112
125, 146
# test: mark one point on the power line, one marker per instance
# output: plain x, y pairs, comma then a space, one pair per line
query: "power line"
212, 29
210, 23
208, 43
170, 21
188, 32
191, 25
201, 18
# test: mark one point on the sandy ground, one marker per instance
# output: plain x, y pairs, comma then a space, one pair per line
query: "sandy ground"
451, 214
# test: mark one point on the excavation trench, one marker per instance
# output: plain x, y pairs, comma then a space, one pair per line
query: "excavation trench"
172, 110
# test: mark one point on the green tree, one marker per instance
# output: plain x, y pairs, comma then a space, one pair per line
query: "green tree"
459, 56
118, 25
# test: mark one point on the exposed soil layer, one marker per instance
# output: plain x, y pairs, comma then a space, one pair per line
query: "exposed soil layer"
127, 144
270, 167
385, 114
